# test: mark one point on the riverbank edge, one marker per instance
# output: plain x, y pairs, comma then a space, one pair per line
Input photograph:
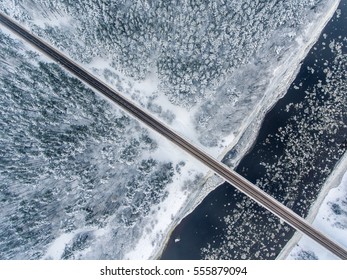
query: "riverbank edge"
333, 181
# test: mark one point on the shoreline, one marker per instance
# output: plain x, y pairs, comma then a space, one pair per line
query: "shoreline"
333, 181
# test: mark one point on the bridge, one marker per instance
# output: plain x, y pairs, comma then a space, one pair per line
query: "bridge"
216, 166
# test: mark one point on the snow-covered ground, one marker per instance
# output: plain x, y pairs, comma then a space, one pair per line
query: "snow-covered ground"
250, 59
211, 80
80, 179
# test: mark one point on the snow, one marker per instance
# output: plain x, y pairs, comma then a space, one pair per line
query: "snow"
153, 237
258, 77
270, 78
63, 242
57, 247
170, 212
52, 20
56, 189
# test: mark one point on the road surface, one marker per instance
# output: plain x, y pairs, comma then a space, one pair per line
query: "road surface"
222, 170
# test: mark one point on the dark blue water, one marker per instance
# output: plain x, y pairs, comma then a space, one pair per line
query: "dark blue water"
228, 225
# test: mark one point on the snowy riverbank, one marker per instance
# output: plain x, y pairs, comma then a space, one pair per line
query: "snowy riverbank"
328, 214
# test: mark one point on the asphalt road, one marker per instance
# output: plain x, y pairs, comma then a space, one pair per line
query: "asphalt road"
220, 169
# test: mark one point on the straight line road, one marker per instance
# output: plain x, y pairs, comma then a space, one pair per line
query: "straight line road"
222, 170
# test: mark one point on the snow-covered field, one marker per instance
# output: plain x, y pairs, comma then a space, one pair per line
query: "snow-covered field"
210, 70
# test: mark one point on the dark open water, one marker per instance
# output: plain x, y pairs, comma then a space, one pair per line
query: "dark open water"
254, 233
